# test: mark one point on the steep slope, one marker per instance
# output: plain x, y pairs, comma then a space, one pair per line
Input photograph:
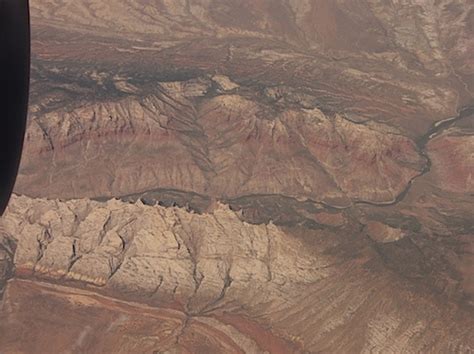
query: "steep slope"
339, 133
216, 271
190, 139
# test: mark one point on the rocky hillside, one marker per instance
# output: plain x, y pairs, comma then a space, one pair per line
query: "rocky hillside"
215, 271
251, 176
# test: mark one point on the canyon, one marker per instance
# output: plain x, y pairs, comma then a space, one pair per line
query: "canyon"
213, 176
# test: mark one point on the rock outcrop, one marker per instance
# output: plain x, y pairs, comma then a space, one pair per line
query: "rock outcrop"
216, 271
225, 146
163, 255
244, 176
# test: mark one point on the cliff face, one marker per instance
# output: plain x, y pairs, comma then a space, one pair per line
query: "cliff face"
245, 176
206, 267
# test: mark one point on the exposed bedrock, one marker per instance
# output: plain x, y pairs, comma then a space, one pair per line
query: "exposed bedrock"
216, 269
268, 176
225, 146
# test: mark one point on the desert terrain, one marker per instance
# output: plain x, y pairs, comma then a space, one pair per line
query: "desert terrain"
236, 176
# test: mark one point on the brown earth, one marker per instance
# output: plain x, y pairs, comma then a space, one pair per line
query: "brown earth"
290, 175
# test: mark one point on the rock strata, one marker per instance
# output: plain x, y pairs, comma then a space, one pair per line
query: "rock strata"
275, 176
216, 271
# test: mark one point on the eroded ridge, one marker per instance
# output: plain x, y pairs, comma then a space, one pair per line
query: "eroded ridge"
214, 268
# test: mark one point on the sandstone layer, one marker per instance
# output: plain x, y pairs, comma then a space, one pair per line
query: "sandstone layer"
245, 176
215, 271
